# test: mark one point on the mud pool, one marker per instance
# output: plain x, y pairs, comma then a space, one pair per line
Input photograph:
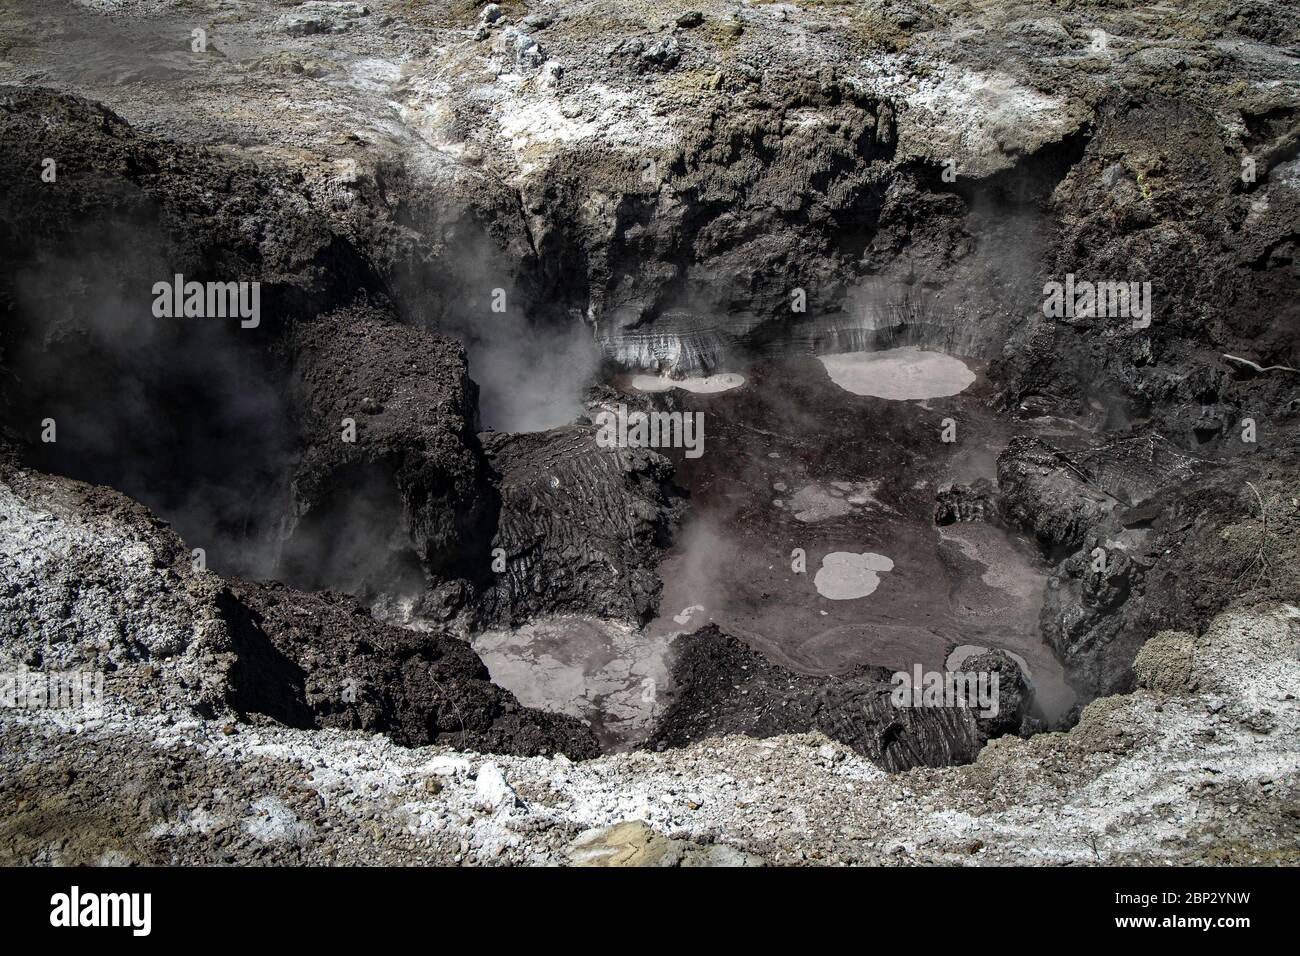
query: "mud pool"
812, 538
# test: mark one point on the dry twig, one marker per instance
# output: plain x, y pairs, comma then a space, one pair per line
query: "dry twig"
1261, 555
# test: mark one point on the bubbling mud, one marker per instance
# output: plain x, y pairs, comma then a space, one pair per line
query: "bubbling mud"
815, 502
902, 374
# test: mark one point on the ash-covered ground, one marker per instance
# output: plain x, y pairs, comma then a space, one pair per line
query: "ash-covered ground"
984, 316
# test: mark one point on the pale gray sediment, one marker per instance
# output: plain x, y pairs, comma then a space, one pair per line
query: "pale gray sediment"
845, 576
899, 374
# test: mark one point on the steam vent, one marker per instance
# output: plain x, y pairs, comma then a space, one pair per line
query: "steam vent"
643, 433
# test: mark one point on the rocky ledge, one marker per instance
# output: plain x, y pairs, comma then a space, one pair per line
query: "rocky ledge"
1196, 765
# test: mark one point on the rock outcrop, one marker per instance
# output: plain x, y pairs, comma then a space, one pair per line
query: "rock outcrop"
1225, 539
329, 444
721, 687
581, 527
356, 673
92, 582
391, 492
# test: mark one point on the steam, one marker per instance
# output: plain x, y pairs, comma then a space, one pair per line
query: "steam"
531, 358
355, 540
181, 414
530, 378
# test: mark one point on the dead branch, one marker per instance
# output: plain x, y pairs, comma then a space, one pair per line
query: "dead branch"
1257, 367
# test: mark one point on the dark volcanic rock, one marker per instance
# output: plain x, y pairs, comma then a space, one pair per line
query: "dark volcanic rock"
977, 501
1142, 532
409, 498
1048, 495
121, 197
724, 687
1015, 696
1158, 194
90, 579
1229, 537
353, 672
420, 514
710, 239
187, 414
237, 434
581, 527
1093, 619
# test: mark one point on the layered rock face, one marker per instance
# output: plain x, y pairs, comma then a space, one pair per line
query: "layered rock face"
917, 180
580, 527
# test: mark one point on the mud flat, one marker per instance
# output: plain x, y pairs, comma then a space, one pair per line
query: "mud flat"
603, 672
812, 539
